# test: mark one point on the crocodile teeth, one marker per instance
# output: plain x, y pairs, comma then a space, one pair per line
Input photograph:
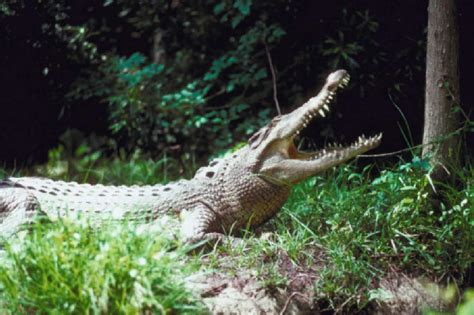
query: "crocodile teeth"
321, 112
326, 107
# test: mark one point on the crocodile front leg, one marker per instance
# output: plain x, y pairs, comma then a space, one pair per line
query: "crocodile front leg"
199, 224
17, 207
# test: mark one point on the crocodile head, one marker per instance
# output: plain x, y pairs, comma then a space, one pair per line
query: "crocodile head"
273, 146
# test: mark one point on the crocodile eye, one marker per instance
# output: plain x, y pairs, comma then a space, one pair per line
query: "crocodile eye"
210, 174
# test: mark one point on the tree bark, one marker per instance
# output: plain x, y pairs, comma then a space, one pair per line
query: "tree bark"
442, 87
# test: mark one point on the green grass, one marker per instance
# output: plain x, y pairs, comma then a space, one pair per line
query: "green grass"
87, 165
367, 224
360, 222
66, 267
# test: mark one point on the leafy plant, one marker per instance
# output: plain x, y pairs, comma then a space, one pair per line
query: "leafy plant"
161, 107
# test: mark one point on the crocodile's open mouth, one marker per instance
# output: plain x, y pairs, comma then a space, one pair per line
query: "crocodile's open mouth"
320, 106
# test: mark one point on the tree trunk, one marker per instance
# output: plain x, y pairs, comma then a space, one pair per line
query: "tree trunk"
157, 50
442, 86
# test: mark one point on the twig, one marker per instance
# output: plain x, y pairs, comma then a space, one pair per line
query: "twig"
387, 255
221, 91
341, 307
389, 153
414, 147
459, 296
287, 303
272, 69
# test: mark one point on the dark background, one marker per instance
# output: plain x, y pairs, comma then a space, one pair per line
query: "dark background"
34, 111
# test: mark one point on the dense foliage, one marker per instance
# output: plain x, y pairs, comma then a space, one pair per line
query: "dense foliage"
181, 77
195, 92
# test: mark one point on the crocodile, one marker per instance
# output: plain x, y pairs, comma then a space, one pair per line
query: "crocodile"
243, 189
